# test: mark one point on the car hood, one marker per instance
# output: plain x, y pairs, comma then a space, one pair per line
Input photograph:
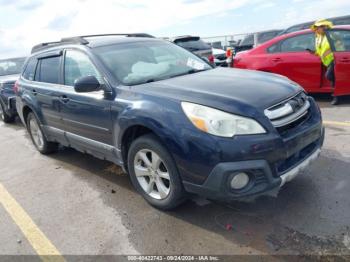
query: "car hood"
226, 88
9, 79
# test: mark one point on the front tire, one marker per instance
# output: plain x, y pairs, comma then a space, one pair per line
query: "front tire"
38, 137
154, 174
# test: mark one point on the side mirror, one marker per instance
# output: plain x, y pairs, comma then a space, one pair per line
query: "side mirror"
86, 84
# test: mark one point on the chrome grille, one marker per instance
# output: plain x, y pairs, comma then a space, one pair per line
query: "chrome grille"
288, 111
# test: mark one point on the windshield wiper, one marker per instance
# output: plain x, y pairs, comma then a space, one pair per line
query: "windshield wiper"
191, 71
188, 72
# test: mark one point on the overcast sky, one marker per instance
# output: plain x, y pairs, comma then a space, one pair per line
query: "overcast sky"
28, 22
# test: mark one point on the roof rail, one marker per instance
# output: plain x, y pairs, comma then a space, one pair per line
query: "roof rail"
67, 40
81, 40
127, 35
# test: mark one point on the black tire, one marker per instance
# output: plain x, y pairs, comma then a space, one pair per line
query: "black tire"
4, 116
176, 194
44, 147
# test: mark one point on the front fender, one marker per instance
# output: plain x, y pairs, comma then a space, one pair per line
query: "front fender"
194, 152
162, 119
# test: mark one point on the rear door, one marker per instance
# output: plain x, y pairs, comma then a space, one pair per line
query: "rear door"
290, 58
340, 42
46, 89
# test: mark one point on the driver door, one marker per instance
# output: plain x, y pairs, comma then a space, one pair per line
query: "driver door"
86, 116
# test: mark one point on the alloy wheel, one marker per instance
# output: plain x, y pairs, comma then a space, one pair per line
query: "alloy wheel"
36, 133
2, 113
152, 174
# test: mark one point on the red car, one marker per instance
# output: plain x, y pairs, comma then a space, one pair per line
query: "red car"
287, 55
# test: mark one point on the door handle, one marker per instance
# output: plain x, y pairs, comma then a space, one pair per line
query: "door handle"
34, 92
345, 60
64, 99
277, 59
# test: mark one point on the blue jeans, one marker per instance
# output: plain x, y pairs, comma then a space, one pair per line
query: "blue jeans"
330, 75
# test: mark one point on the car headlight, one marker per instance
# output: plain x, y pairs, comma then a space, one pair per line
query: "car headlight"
220, 123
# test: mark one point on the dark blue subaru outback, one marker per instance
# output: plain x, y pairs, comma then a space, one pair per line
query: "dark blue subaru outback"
173, 122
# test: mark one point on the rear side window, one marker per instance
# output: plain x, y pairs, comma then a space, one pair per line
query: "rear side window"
49, 70
298, 43
340, 40
29, 72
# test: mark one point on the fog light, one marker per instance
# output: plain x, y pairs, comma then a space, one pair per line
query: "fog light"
239, 181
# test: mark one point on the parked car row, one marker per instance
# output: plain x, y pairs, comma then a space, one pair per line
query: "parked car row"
175, 123
9, 73
253, 40
289, 55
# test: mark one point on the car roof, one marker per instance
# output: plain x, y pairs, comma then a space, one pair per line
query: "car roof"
13, 58
92, 41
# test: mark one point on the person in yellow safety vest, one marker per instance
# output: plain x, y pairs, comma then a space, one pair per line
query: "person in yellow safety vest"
324, 51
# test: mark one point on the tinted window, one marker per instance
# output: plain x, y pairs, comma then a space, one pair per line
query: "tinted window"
29, 72
77, 65
11, 66
341, 40
298, 43
49, 70
193, 45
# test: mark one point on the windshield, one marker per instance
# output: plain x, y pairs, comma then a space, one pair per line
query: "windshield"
142, 62
193, 44
11, 66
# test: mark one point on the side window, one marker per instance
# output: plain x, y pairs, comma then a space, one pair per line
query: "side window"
77, 65
340, 40
49, 70
29, 72
298, 43
273, 49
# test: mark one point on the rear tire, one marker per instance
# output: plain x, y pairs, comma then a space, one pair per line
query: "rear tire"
4, 116
154, 174
37, 135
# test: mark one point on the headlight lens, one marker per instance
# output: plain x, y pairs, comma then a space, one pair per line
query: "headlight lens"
220, 123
